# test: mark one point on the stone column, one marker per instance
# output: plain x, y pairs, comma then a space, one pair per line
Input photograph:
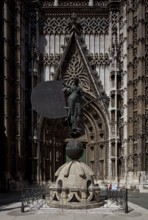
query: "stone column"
140, 78
114, 69
130, 86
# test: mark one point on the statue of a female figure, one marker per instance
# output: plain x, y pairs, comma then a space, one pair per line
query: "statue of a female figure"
75, 94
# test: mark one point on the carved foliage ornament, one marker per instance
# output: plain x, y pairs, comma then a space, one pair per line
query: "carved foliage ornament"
114, 19
76, 68
121, 17
99, 59
53, 60
49, 60
57, 25
73, 3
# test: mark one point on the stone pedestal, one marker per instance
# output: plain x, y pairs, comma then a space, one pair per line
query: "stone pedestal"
74, 187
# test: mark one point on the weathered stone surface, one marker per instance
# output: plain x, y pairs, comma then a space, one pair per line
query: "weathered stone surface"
75, 187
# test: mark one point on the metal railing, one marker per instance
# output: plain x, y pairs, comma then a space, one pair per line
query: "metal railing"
120, 197
34, 197
37, 197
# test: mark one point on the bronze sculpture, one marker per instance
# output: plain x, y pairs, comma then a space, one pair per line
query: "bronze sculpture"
75, 94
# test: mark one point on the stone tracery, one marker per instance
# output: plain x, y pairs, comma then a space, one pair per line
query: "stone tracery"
59, 25
76, 68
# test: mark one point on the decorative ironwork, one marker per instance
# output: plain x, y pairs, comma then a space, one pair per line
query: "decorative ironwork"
35, 198
120, 197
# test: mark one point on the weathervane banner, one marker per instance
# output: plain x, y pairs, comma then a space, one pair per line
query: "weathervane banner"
48, 99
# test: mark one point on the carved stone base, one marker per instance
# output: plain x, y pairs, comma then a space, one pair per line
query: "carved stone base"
74, 187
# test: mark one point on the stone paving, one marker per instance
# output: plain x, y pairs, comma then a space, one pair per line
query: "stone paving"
109, 212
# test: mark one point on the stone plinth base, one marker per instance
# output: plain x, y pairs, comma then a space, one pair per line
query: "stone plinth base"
75, 205
74, 187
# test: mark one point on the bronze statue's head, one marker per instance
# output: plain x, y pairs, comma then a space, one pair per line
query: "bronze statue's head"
76, 81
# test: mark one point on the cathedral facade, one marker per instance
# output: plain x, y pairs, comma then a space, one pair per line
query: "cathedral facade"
105, 44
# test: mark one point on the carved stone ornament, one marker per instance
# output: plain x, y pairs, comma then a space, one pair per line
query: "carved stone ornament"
59, 25
76, 3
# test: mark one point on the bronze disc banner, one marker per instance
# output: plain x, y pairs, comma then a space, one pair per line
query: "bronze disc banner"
48, 99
